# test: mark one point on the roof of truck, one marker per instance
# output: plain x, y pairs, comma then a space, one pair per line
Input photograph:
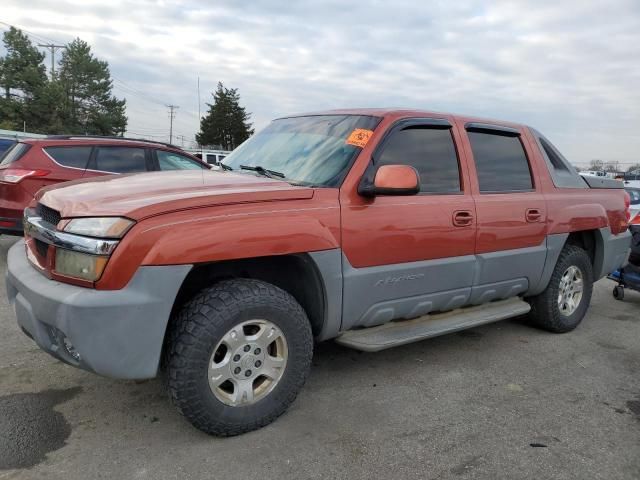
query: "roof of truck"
406, 112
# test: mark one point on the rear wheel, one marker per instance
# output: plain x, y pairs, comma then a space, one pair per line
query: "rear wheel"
240, 352
562, 305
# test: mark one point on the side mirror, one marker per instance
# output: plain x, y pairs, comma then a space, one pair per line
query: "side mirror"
390, 180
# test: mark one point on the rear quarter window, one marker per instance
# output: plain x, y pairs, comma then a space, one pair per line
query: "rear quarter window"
74, 157
562, 172
14, 153
5, 145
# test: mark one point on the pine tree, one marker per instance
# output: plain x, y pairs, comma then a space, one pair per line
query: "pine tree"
22, 78
88, 106
226, 124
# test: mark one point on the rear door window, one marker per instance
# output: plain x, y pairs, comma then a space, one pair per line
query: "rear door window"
120, 160
73, 157
501, 162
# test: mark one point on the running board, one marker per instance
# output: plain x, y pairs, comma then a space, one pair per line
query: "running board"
392, 334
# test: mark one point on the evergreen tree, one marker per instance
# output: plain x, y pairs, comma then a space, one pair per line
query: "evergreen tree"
21, 69
78, 100
226, 124
88, 106
22, 77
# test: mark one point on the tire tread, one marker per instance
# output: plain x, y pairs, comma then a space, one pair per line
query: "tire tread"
206, 313
544, 312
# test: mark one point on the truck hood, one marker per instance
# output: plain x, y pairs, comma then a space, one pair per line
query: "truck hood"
138, 196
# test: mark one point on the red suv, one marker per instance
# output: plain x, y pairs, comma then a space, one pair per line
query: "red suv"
32, 164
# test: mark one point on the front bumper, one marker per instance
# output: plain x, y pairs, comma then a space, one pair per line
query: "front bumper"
116, 333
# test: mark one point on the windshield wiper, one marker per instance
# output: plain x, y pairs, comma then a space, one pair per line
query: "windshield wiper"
263, 171
225, 167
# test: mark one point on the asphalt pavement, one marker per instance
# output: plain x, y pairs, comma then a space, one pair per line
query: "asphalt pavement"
504, 401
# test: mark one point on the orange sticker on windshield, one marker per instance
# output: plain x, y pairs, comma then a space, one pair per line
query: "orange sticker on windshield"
359, 137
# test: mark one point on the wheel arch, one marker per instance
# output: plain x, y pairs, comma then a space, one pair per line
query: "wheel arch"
593, 241
303, 275
586, 239
555, 243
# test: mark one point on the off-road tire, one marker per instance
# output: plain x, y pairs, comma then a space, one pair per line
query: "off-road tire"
545, 312
198, 328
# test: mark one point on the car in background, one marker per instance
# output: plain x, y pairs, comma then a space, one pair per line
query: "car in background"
212, 157
634, 207
31, 164
595, 173
5, 144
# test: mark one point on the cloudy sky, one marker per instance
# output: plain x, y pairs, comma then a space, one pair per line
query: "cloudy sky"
570, 68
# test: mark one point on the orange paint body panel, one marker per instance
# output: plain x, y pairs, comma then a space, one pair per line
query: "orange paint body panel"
231, 231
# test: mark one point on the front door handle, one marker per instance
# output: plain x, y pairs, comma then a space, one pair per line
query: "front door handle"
533, 215
462, 218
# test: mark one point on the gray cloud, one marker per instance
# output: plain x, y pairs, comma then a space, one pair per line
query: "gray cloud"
572, 68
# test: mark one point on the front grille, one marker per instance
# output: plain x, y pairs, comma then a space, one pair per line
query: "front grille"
41, 248
48, 214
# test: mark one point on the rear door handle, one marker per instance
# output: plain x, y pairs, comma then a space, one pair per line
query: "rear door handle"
533, 215
462, 218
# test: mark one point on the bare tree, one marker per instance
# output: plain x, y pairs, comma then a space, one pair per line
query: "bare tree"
612, 166
596, 165
634, 168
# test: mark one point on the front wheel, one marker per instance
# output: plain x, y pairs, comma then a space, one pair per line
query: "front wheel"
562, 305
240, 352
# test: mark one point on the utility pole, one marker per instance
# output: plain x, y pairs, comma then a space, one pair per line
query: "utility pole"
52, 48
172, 115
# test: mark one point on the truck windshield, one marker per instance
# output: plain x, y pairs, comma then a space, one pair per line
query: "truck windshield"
313, 150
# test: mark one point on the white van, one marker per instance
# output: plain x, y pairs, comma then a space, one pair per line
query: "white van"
594, 173
212, 157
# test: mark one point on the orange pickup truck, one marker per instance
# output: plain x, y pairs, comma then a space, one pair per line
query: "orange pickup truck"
372, 227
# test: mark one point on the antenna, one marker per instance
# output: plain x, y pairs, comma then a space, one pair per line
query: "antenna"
199, 115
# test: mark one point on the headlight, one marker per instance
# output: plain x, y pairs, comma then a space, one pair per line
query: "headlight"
79, 265
102, 227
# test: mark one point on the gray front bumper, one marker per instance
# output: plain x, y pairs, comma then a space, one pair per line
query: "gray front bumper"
118, 333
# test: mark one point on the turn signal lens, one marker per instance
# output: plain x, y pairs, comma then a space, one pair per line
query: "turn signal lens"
101, 227
79, 265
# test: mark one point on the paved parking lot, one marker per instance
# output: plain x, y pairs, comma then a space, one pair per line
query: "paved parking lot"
501, 401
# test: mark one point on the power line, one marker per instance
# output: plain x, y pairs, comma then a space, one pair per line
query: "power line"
133, 91
47, 42
125, 88
40, 38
